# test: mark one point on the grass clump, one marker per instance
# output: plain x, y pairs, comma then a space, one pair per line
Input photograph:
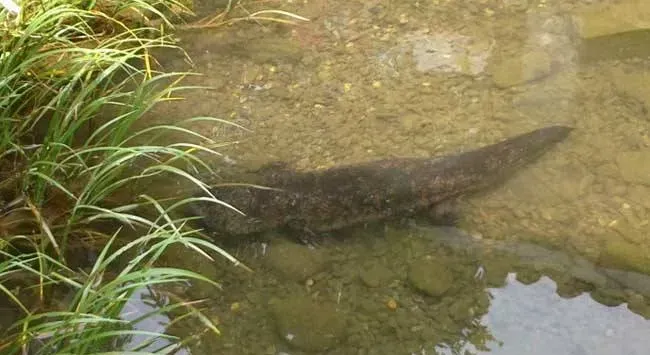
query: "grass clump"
75, 78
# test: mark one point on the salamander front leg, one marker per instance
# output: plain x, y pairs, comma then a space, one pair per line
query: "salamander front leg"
303, 235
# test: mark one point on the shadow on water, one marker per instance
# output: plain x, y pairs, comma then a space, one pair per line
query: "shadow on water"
379, 79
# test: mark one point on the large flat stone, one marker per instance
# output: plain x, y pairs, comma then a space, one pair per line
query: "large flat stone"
449, 53
614, 31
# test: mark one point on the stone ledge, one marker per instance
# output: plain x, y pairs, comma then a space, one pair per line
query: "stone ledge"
614, 31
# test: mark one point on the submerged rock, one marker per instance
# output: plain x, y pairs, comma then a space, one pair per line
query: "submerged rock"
625, 255
637, 304
431, 277
515, 71
294, 261
611, 297
634, 167
634, 281
308, 325
376, 275
449, 53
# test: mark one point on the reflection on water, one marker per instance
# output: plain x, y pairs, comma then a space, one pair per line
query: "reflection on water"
145, 305
534, 320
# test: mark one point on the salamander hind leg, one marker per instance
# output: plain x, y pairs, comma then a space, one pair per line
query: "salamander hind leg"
446, 213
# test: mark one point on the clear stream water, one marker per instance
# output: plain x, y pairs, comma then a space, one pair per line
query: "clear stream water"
374, 79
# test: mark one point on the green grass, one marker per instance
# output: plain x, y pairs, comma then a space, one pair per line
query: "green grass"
75, 78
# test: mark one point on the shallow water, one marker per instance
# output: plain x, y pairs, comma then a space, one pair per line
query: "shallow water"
374, 79
420, 289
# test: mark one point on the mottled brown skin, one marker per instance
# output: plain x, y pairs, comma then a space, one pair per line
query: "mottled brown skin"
327, 200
